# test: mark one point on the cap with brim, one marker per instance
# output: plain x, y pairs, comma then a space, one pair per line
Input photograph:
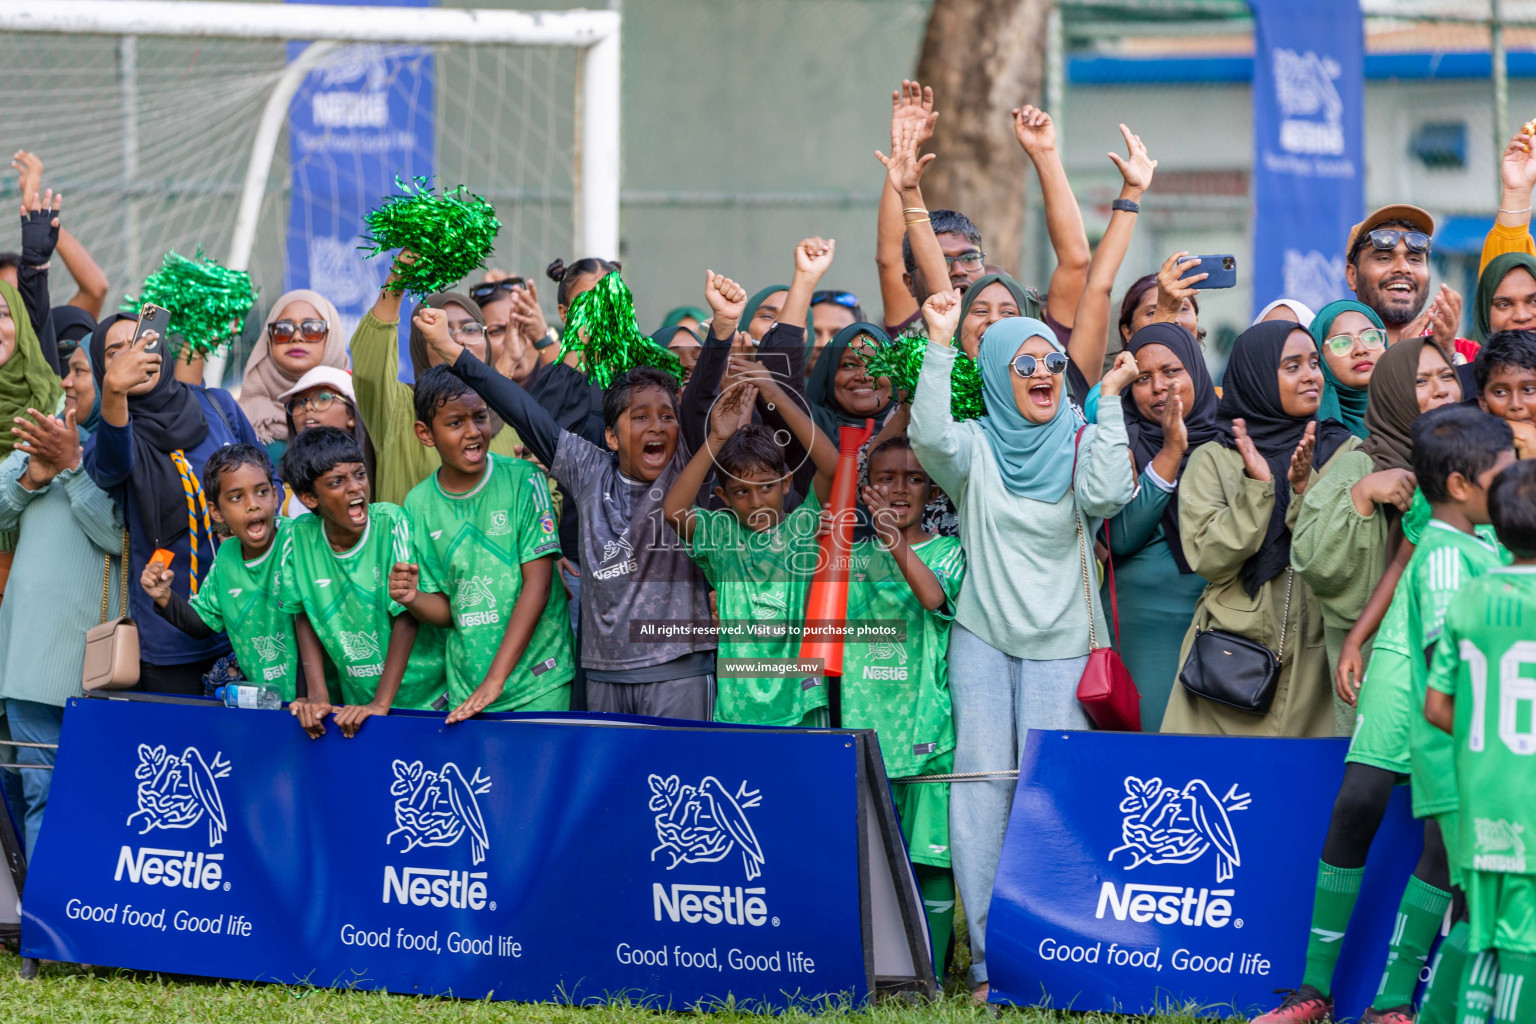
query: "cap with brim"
1400, 211
322, 376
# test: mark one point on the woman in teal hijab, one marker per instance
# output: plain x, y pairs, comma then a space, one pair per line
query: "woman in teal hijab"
762, 312
1350, 338
1505, 300
992, 298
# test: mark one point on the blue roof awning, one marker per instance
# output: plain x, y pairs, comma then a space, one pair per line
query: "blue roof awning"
1462, 236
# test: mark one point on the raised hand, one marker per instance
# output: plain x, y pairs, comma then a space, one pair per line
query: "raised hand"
1120, 375
156, 581
40, 227
1301, 461
881, 515
29, 169
1518, 167
526, 315
133, 365
912, 105
1136, 166
731, 411
433, 325
726, 299
54, 445
942, 315
813, 256
1253, 462
904, 167
1174, 288
404, 581
1035, 130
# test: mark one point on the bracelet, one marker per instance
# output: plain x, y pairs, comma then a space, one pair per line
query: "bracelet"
1526, 210
1126, 205
914, 209
920, 220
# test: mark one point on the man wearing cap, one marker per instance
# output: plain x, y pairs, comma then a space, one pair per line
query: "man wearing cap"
1388, 269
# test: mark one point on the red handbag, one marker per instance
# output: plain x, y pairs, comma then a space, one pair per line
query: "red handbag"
1106, 691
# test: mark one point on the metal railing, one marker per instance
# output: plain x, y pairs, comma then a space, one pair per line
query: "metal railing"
34, 746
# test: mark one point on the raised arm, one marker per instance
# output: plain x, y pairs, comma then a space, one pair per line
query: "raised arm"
90, 282
1090, 326
1036, 133
813, 257
507, 399
911, 126
925, 585
936, 437
732, 412
798, 419
726, 300
1511, 230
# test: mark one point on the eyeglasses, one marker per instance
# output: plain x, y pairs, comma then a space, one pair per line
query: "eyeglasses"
970, 261
319, 402
470, 330
847, 300
483, 291
283, 331
1024, 365
1387, 239
1371, 337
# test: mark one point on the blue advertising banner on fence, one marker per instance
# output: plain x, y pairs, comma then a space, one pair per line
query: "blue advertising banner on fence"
520, 859
1143, 871
1308, 159
366, 116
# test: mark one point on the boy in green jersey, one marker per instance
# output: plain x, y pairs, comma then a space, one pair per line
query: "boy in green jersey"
1457, 451
759, 561
239, 595
484, 546
1482, 690
334, 576
901, 689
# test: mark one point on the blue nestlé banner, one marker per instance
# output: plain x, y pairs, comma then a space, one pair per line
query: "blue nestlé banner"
1308, 160
1140, 872
520, 859
366, 116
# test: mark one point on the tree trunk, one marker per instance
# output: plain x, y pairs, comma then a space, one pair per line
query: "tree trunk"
983, 58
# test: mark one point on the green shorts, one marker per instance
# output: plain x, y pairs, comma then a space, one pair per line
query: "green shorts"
558, 699
1503, 909
1381, 724
923, 809
1450, 834
1433, 770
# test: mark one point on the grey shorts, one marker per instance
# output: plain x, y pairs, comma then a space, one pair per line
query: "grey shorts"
691, 698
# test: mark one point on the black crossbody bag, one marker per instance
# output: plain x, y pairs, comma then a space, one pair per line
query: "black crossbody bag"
1233, 670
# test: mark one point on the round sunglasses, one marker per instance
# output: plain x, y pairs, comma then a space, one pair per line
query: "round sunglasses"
284, 331
1371, 337
1024, 365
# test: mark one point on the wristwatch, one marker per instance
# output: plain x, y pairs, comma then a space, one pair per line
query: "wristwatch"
550, 338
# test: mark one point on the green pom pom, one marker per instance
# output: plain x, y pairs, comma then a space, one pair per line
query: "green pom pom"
450, 234
902, 360
208, 303
600, 325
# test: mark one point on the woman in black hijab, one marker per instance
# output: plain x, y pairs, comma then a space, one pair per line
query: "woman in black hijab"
1171, 411
148, 453
1234, 498
841, 392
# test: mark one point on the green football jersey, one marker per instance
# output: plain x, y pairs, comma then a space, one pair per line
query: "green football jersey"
1419, 514
761, 579
1486, 659
1444, 560
345, 595
472, 547
901, 688
240, 598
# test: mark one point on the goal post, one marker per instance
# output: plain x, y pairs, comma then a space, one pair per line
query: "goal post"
594, 34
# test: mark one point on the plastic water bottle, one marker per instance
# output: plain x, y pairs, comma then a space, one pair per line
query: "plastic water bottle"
263, 697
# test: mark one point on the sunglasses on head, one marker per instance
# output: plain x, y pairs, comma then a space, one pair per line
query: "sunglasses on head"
847, 300
319, 401
283, 331
1024, 365
483, 291
1387, 238
1371, 337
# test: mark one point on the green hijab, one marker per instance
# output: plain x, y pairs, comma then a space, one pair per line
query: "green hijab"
1340, 401
1488, 283
750, 310
1029, 306
26, 379
676, 316
820, 394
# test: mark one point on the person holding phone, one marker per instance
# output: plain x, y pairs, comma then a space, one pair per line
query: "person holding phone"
148, 452
303, 331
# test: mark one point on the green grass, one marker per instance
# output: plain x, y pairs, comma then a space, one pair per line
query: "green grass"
66, 994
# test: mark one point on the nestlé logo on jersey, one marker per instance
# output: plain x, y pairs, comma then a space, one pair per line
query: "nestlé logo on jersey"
1162, 825
174, 794
438, 809
707, 824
